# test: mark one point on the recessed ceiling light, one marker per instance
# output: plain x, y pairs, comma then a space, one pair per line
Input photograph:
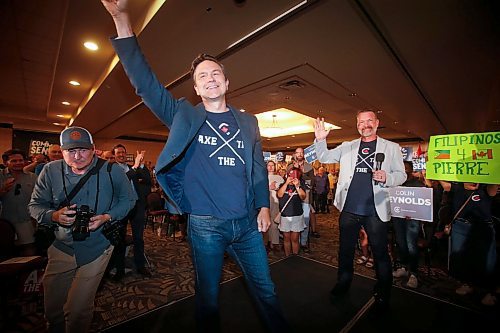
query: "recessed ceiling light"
268, 139
74, 83
91, 46
288, 147
58, 124
65, 103
379, 111
242, 110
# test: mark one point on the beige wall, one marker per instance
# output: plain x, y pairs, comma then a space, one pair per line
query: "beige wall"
5, 139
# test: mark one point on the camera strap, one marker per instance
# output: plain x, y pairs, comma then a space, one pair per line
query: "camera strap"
79, 185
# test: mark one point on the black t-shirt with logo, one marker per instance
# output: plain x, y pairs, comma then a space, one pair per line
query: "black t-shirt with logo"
359, 199
478, 209
294, 207
216, 182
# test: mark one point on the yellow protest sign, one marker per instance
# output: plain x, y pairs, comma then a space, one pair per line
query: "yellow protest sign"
471, 157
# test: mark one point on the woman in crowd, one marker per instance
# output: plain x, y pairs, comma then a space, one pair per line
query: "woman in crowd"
290, 196
473, 248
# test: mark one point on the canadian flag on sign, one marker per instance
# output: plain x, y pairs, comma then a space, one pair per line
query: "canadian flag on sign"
419, 150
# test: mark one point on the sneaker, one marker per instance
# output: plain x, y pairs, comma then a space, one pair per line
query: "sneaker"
369, 263
464, 290
400, 272
489, 299
119, 275
412, 282
362, 260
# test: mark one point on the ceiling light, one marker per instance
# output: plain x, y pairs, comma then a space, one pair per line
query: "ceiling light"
91, 46
74, 83
284, 122
58, 124
65, 103
273, 130
63, 116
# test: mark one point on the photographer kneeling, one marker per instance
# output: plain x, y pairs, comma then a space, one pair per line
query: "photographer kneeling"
77, 197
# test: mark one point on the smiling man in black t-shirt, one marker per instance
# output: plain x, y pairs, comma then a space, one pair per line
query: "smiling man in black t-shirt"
363, 199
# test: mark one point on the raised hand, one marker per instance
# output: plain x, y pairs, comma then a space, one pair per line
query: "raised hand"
115, 7
118, 11
319, 129
139, 158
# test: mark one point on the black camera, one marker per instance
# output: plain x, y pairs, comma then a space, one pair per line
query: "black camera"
80, 228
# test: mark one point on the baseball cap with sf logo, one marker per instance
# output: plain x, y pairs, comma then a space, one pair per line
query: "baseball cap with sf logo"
76, 137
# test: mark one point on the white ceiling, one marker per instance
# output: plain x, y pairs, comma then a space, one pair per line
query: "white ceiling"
430, 67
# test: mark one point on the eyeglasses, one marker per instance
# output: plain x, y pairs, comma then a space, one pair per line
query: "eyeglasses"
17, 189
80, 151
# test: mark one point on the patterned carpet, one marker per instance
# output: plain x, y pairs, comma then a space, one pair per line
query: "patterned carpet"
173, 279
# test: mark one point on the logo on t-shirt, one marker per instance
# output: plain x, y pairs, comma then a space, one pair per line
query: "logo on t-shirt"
476, 197
364, 163
227, 146
224, 128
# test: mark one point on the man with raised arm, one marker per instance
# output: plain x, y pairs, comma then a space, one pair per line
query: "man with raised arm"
226, 190
368, 166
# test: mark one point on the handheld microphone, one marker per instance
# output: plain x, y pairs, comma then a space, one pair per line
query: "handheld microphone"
379, 158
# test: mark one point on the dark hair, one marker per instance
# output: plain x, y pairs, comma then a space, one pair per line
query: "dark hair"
201, 58
118, 146
10, 152
364, 111
409, 163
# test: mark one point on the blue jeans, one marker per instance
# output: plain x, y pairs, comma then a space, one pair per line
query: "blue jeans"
377, 239
407, 238
209, 238
473, 252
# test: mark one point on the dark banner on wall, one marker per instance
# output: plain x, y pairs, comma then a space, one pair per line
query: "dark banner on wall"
34, 142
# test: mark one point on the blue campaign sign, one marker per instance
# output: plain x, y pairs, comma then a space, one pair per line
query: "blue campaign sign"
310, 154
413, 202
267, 156
419, 163
407, 153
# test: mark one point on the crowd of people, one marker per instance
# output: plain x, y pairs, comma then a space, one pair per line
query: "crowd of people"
120, 193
